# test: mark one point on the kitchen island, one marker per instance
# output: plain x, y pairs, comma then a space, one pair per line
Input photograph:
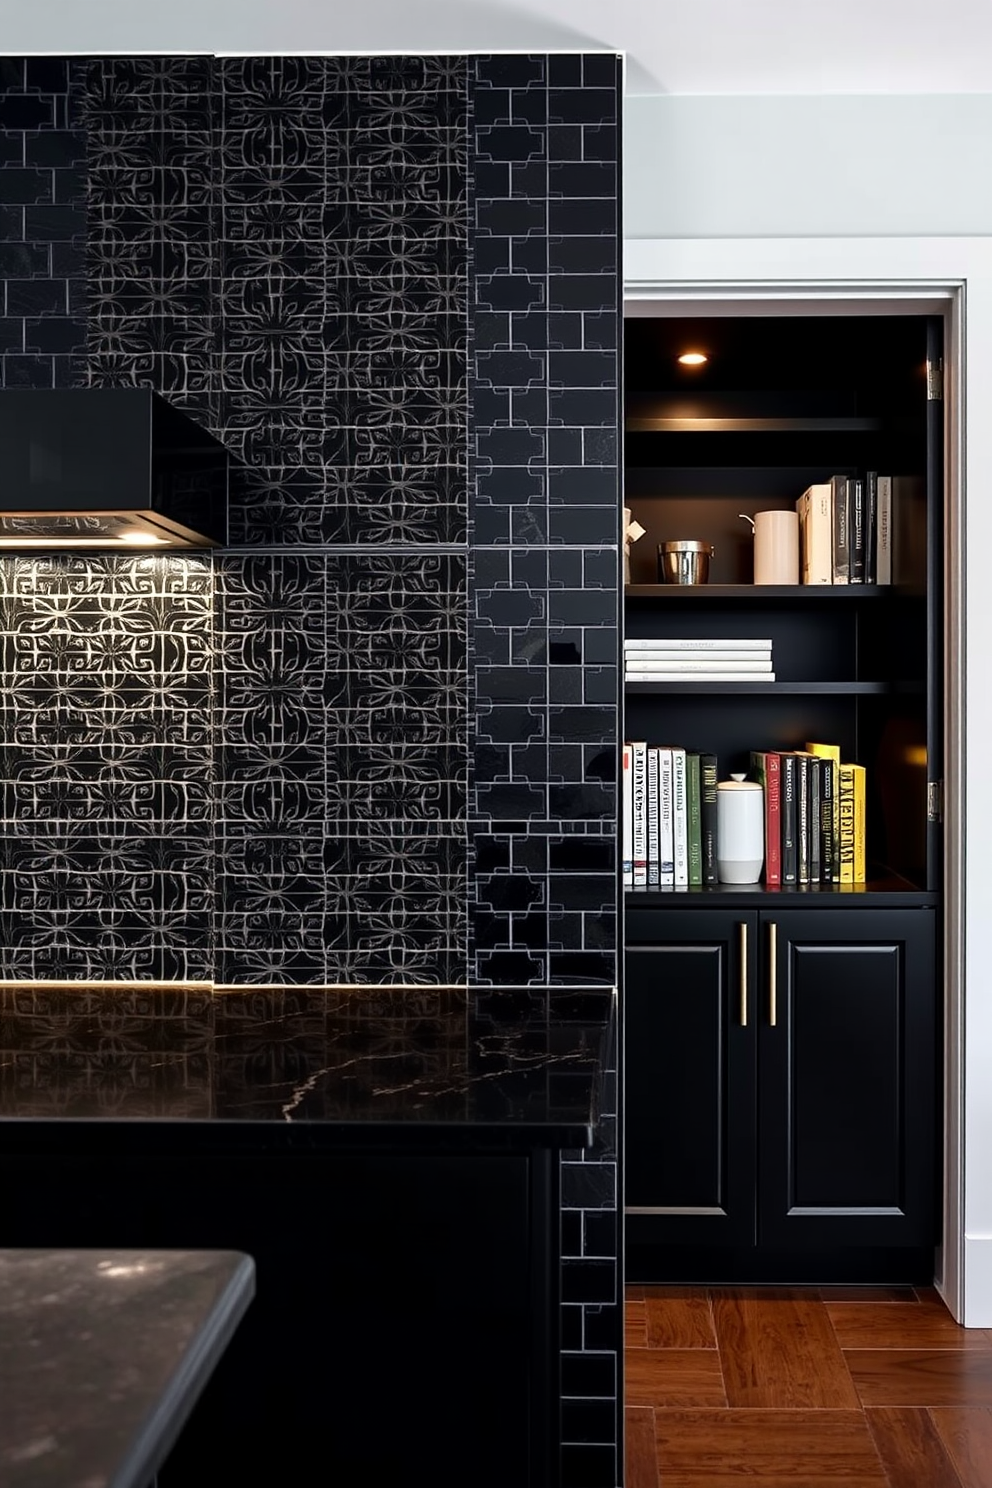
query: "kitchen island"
390, 1160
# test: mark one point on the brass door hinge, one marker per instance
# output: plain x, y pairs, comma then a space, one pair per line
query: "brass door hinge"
935, 800
935, 381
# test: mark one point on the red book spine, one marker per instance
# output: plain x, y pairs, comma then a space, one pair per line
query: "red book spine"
773, 819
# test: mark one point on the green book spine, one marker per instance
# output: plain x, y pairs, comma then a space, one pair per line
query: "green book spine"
695, 820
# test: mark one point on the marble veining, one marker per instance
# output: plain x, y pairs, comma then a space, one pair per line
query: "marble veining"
447, 1056
102, 1354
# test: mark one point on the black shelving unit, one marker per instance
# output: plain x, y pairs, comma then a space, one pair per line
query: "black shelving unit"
731, 988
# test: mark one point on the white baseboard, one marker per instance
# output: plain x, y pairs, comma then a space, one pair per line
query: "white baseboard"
977, 1281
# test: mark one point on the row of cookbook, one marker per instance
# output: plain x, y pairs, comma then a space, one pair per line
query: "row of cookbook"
846, 530
814, 814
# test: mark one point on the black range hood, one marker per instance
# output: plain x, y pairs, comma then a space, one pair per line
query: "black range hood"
107, 468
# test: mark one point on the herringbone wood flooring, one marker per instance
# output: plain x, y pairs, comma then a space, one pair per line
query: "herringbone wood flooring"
830, 1387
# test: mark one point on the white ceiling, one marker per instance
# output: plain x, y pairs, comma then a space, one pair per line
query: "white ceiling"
688, 47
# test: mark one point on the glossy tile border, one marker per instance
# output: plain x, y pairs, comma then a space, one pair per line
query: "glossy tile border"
544, 596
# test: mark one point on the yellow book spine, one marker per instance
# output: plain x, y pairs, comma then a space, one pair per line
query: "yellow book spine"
859, 823
845, 794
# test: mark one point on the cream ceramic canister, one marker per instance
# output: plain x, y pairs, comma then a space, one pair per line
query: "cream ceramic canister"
776, 546
740, 830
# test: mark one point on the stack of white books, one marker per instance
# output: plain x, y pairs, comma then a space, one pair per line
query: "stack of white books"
731, 660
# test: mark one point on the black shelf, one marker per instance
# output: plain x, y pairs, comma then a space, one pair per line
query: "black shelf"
885, 889
760, 593
776, 689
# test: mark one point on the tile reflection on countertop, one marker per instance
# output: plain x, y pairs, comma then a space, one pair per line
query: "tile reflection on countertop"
451, 1057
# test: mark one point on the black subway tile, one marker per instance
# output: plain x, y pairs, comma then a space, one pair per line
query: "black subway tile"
11, 224
12, 74
509, 968
56, 148
582, 106
587, 1466
589, 1281
564, 71
28, 372
588, 1420
599, 1233
23, 186
36, 297
57, 335
601, 70
513, 142
510, 71
54, 224
26, 111
25, 260
46, 74
11, 149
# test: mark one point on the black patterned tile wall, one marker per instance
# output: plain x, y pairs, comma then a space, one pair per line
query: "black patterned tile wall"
374, 740
544, 595
279, 246
151, 228
342, 716
342, 199
342, 222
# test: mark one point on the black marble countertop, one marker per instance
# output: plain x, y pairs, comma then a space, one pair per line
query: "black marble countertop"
102, 1356
325, 1065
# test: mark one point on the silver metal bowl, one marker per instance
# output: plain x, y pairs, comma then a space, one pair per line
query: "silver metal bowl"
685, 562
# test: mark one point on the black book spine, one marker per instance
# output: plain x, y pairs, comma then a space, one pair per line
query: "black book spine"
707, 816
842, 547
815, 844
790, 856
856, 521
871, 527
827, 849
802, 820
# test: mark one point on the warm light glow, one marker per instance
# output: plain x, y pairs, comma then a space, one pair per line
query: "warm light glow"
133, 539
915, 754
128, 1268
693, 358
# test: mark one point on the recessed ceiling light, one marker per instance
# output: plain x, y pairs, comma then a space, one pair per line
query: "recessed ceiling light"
144, 538
693, 358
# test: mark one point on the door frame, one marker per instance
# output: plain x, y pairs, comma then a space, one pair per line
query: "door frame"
951, 277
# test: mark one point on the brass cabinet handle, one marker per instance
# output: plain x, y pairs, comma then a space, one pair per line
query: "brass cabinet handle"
772, 969
742, 928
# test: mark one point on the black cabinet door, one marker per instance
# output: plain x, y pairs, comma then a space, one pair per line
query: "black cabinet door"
847, 1052
689, 1085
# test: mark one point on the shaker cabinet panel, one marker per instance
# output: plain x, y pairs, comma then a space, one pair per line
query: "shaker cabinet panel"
689, 1089
846, 1102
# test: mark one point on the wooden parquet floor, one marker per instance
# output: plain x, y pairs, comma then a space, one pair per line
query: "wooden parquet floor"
796, 1387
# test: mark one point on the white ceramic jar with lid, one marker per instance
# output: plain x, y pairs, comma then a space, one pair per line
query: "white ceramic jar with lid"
740, 830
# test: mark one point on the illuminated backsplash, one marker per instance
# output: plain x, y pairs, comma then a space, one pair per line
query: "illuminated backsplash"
108, 862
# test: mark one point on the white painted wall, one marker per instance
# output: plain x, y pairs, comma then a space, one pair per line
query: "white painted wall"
743, 167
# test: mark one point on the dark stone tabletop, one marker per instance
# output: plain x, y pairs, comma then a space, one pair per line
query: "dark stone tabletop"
102, 1356
365, 1062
